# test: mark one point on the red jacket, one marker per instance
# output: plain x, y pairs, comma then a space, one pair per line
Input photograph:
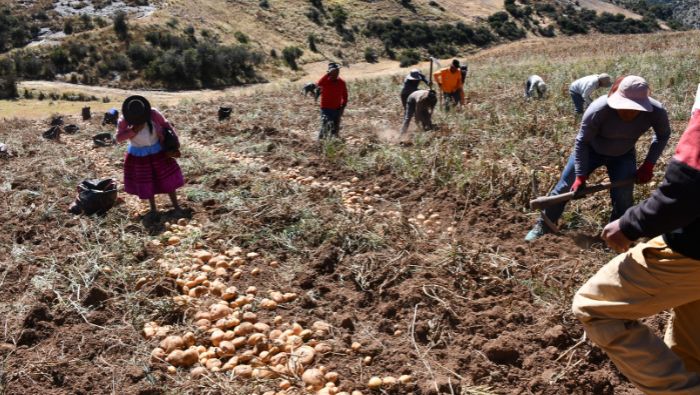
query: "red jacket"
334, 93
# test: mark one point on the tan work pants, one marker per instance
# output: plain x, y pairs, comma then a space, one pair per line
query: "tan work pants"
644, 281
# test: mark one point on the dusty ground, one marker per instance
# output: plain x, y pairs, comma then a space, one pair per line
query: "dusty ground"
413, 251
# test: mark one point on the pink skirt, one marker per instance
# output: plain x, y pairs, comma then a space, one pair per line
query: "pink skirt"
146, 176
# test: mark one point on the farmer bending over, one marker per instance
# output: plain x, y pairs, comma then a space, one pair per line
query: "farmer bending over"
582, 89
148, 170
609, 130
535, 84
420, 103
334, 98
653, 277
449, 80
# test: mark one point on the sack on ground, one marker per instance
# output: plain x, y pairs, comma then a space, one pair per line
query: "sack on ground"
95, 197
103, 140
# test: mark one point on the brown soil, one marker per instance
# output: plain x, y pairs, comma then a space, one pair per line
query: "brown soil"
475, 308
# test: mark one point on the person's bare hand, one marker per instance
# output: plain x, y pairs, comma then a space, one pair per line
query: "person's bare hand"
614, 237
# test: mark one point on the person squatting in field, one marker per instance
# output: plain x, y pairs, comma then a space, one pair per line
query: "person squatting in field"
334, 99
582, 89
660, 274
449, 80
535, 84
420, 103
609, 131
148, 170
410, 85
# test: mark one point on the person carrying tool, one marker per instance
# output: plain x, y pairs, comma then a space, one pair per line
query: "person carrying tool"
420, 103
410, 85
582, 89
334, 98
653, 277
449, 80
609, 131
535, 84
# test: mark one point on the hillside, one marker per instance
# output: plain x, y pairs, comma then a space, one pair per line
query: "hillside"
215, 43
378, 255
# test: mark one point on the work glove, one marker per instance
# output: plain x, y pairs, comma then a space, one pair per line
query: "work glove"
579, 184
645, 173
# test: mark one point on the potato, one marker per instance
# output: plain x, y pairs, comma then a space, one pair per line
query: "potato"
313, 378
205, 256
240, 342
304, 355
183, 358
252, 255
189, 339
219, 311
389, 381
214, 363
216, 337
173, 240
172, 343
227, 349
306, 334
244, 329
374, 383
255, 338
150, 329
261, 327
332, 376
198, 291
229, 293
198, 372
268, 304
255, 271
405, 379
250, 317
356, 346
323, 348
244, 371
367, 360
278, 297
285, 384
157, 355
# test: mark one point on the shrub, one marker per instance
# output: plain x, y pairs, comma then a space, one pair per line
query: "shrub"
118, 62
339, 17
8, 87
290, 55
264, 4
60, 59
313, 15
409, 57
505, 28
241, 37
370, 55
547, 31
312, 43
121, 25
141, 55
68, 26
397, 34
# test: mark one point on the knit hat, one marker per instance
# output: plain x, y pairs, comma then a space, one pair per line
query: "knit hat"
333, 66
414, 75
136, 110
632, 94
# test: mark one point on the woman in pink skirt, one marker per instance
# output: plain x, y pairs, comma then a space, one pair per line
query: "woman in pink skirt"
148, 170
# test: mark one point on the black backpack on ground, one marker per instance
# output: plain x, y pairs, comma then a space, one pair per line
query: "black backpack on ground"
95, 197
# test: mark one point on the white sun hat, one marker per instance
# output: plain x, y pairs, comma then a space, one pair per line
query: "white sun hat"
631, 94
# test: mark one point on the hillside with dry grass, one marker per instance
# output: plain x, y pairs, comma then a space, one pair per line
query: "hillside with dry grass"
178, 44
376, 263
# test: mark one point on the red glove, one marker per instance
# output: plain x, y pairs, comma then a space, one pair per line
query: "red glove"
579, 183
645, 172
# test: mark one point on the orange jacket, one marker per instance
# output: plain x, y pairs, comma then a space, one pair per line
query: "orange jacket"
449, 82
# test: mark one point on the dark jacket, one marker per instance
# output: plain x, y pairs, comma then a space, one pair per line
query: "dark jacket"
673, 210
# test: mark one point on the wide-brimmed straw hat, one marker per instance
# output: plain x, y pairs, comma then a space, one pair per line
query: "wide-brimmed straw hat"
414, 74
632, 94
136, 110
